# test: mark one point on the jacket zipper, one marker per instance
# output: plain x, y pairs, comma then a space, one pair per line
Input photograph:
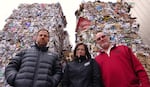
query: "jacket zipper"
37, 67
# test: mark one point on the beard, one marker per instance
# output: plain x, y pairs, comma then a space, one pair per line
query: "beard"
42, 43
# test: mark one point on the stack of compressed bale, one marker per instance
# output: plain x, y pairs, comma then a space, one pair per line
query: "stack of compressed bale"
112, 18
27, 19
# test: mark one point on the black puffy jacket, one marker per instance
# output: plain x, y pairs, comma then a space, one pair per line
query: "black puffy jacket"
34, 67
82, 73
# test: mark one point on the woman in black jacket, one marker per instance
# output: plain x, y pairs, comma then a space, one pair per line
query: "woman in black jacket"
82, 71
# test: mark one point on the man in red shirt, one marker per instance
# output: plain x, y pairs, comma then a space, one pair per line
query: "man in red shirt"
119, 66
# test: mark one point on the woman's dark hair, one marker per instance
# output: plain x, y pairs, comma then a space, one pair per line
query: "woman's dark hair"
87, 53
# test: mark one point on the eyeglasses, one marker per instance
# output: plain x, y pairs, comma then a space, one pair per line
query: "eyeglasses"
99, 38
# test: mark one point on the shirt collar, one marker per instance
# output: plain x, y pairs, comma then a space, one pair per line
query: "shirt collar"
109, 49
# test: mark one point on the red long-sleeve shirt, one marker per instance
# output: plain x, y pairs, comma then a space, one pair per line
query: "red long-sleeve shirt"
121, 68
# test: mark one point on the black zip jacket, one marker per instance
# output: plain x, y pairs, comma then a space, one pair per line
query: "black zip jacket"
82, 72
34, 67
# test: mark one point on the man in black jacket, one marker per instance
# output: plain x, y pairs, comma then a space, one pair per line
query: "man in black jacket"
34, 67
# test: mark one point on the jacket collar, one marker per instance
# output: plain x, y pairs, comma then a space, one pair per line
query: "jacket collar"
111, 47
43, 49
80, 59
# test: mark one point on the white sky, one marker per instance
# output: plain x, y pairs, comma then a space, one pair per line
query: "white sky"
69, 7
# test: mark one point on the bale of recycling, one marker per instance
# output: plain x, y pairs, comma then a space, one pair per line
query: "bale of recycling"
114, 19
27, 19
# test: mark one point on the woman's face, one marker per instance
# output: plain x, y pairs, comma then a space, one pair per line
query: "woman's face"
80, 51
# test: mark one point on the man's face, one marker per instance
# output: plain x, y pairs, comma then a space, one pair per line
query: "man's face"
103, 40
42, 38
